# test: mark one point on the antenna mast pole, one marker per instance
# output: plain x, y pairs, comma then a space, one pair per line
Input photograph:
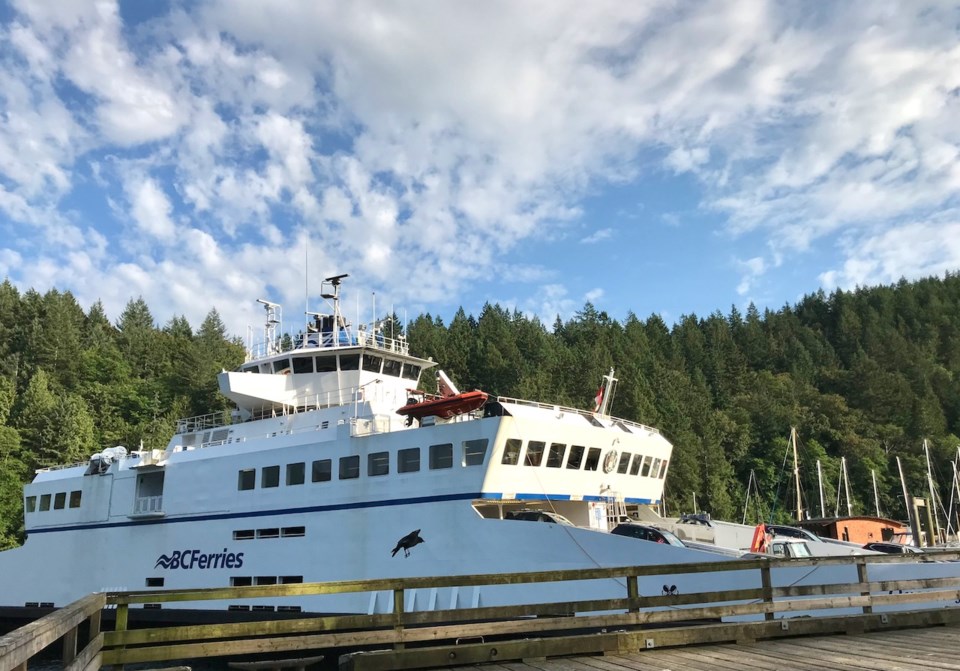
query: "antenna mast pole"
796, 471
823, 508
933, 494
876, 496
846, 486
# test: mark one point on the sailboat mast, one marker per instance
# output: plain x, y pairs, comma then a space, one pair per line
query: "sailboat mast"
846, 486
933, 495
823, 508
906, 505
796, 471
876, 496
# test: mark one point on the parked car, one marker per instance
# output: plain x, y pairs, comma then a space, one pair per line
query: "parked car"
531, 515
892, 548
645, 533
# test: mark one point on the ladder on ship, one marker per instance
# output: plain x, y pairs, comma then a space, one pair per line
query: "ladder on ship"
616, 508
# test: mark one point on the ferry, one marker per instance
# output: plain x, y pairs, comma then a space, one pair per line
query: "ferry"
332, 467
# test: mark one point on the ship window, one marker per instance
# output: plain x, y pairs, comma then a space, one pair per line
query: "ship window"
243, 534
290, 580
378, 463
411, 371
576, 456
408, 460
59, 500
441, 456
31, 504
372, 363
555, 455
268, 533
303, 364
474, 451
293, 532
265, 580
349, 361
44, 502
511, 452
247, 479
534, 455
635, 464
391, 367
663, 469
655, 469
624, 462
326, 364
154, 582
593, 459
241, 581
646, 466
321, 470
270, 477
255, 368
349, 467
281, 365
295, 473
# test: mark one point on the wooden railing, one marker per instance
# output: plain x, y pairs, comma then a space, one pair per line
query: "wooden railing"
17, 648
431, 635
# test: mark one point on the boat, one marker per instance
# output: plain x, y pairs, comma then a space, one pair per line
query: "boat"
449, 403
315, 476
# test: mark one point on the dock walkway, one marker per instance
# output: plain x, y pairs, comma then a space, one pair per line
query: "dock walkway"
903, 650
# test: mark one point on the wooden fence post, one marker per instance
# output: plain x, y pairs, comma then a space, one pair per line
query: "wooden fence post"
767, 588
864, 580
633, 592
398, 617
69, 646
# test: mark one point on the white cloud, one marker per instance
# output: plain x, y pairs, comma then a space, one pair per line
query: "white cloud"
150, 208
597, 236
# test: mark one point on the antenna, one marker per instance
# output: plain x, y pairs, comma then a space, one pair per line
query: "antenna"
273, 311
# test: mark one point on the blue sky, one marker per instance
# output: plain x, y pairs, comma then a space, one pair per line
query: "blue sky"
657, 157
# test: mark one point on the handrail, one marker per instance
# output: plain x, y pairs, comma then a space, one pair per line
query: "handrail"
17, 647
577, 411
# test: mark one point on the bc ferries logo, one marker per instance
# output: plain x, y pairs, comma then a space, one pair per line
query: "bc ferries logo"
197, 559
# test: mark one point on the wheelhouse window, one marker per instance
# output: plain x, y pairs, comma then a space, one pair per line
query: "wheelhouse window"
255, 368
349, 362
408, 460
321, 471
281, 365
474, 451
511, 452
410, 371
663, 469
441, 456
75, 496
534, 455
555, 455
645, 471
303, 364
44, 502
349, 467
593, 459
247, 479
325, 363
372, 363
378, 463
295, 473
60, 501
635, 464
655, 469
31, 504
624, 462
392, 367
575, 460
270, 477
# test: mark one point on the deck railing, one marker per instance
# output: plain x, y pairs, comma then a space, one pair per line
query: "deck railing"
617, 624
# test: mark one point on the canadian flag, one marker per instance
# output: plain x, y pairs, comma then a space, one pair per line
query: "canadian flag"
598, 400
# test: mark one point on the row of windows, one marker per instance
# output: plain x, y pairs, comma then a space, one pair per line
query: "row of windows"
247, 581
272, 532
59, 501
578, 456
328, 363
473, 453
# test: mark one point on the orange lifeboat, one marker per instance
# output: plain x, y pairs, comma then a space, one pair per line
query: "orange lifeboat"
444, 407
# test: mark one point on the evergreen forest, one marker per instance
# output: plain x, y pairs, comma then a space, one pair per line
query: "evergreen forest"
867, 375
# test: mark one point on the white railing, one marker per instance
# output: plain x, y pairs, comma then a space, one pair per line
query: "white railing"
148, 504
578, 411
359, 338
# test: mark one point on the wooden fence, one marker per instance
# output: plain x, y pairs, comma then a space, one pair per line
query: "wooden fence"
466, 635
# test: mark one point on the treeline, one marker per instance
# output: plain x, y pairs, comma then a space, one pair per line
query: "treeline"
866, 375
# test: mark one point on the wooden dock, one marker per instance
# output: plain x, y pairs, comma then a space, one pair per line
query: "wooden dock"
904, 650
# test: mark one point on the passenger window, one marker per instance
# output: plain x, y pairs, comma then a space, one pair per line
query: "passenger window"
31, 504
295, 473
241, 581
154, 582
378, 463
534, 455
576, 456
270, 477
408, 460
411, 371
349, 361
326, 364
243, 534
635, 464
441, 456
646, 467
593, 459
44, 502
372, 363
60, 501
555, 455
655, 469
624, 462
391, 367
663, 469
75, 498
303, 364
349, 467
321, 471
247, 479
293, 532
474, 452
272, 532
511, 452
281, 365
